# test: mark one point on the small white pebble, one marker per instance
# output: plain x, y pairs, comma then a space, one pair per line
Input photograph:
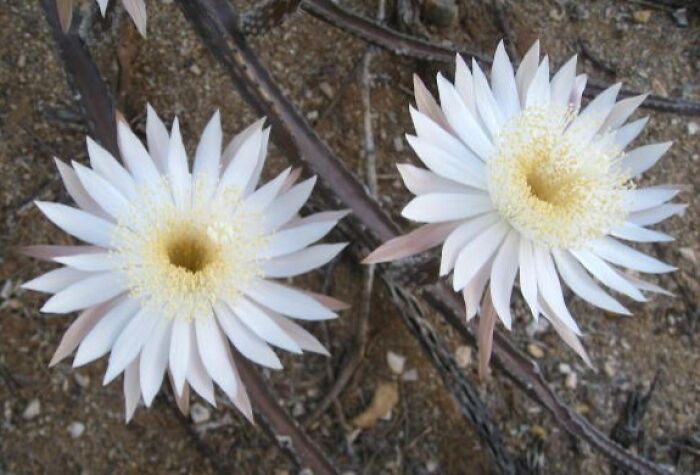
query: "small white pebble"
463, 356
76, 429
298, 410
693, 128
32, 410
82, 380
432, 466
535, 351
410, 376
396, 362
199, 413
571, 380
564, 368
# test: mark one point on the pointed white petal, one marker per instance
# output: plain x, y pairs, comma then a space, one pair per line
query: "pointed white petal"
476, 252
528, 275
459, 238
263, 196
56, 280
154, 360
132, 389
247, 342
179, 355
632, 232
562, 83
577, 91
549, 288
77, 191
135, 156
446, 165
527, 70
440, 207
197, 374
85, 293
607, 274
130, 342
322, 217
597, 111
237, 141
641, 159
645, 198
565, 333
101, 191
294, 239
243, 165
474, 290
625, 135
503, 272
539, 91
303, 338
178, 170
90, 262
288, 301
464, 84
489, 110
583, 285
418, 240
137, 11
420, 181
622, 110
505, 90
208, 154
103, 6
213, 351
262, 157
107, 166
83, 225
656, 214
301, 261
615, 252
425, 102
257, 319
51, 252
158, 139
288, 204
99, 341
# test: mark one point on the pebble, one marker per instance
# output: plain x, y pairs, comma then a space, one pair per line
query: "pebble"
609, 369
410, 376
398, 144
396, 362
571, 381
199, 413
312, 115
298, 410
196, 70
693, 128
689, 254
440, 12
463, 355
32, 410
539, 431
564, 368
681, 17
83, 381
326, 89
535, 351
76, 429
432, 466
642, 16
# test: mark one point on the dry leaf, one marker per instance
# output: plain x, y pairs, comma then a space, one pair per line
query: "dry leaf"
386, 396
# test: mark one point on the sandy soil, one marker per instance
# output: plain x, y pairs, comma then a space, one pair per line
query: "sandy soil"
316, 65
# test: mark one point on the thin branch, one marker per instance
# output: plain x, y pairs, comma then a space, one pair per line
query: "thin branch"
298, 141
266, 15
99, 112
407, 45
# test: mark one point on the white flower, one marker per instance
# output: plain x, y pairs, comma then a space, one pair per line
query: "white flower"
520, 181
179, 261
135, 8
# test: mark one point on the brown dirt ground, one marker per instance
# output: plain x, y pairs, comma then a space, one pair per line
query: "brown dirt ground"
425, 434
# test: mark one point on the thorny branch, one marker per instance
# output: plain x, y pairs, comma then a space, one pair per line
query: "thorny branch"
99, 114
296, 139
406, 45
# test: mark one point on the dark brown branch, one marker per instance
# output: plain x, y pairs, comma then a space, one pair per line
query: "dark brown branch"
99, 113
407, 45
297, 140
266, 15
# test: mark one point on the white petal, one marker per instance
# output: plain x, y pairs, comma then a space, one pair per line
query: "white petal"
565, 333
577, 91
489, 110
288, 204
56, 280
476, 252
645, 198
583, 285
459, 238
303, 338
550, 289
526, 71
245, 340
130, 341
607, 275
243, 165
197, 374
446, 165
615, 252
137, 11
99, 341
132, 389
562, 83
294, 239
418, 240
85, 293
528, 275
83, 225
464, 84
656, 214
90, 262
101, 191
235, 143
257, 319
178, 170
77, 191
641, 159
632, 232
322, 217
263, 196
208, 154
420, 181
474, 290
262, 157
103, 6
158, 139
212, 349
503, 272
625, 135
440, 207
644, 285
622, 110
425, 102
288, 301
505, 90
462, 120
179, 355
301, 261
597, 110
154, 360
107, 166
539, 92
135, 155
50, 252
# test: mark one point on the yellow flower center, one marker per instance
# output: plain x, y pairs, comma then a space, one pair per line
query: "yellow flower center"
181, 260
553, 183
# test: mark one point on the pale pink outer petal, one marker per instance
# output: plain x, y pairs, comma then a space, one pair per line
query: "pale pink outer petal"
425, 102
137, 11
48, 252
565, 333
327, 301
487, 323
77, 191
235, 143
417, 241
